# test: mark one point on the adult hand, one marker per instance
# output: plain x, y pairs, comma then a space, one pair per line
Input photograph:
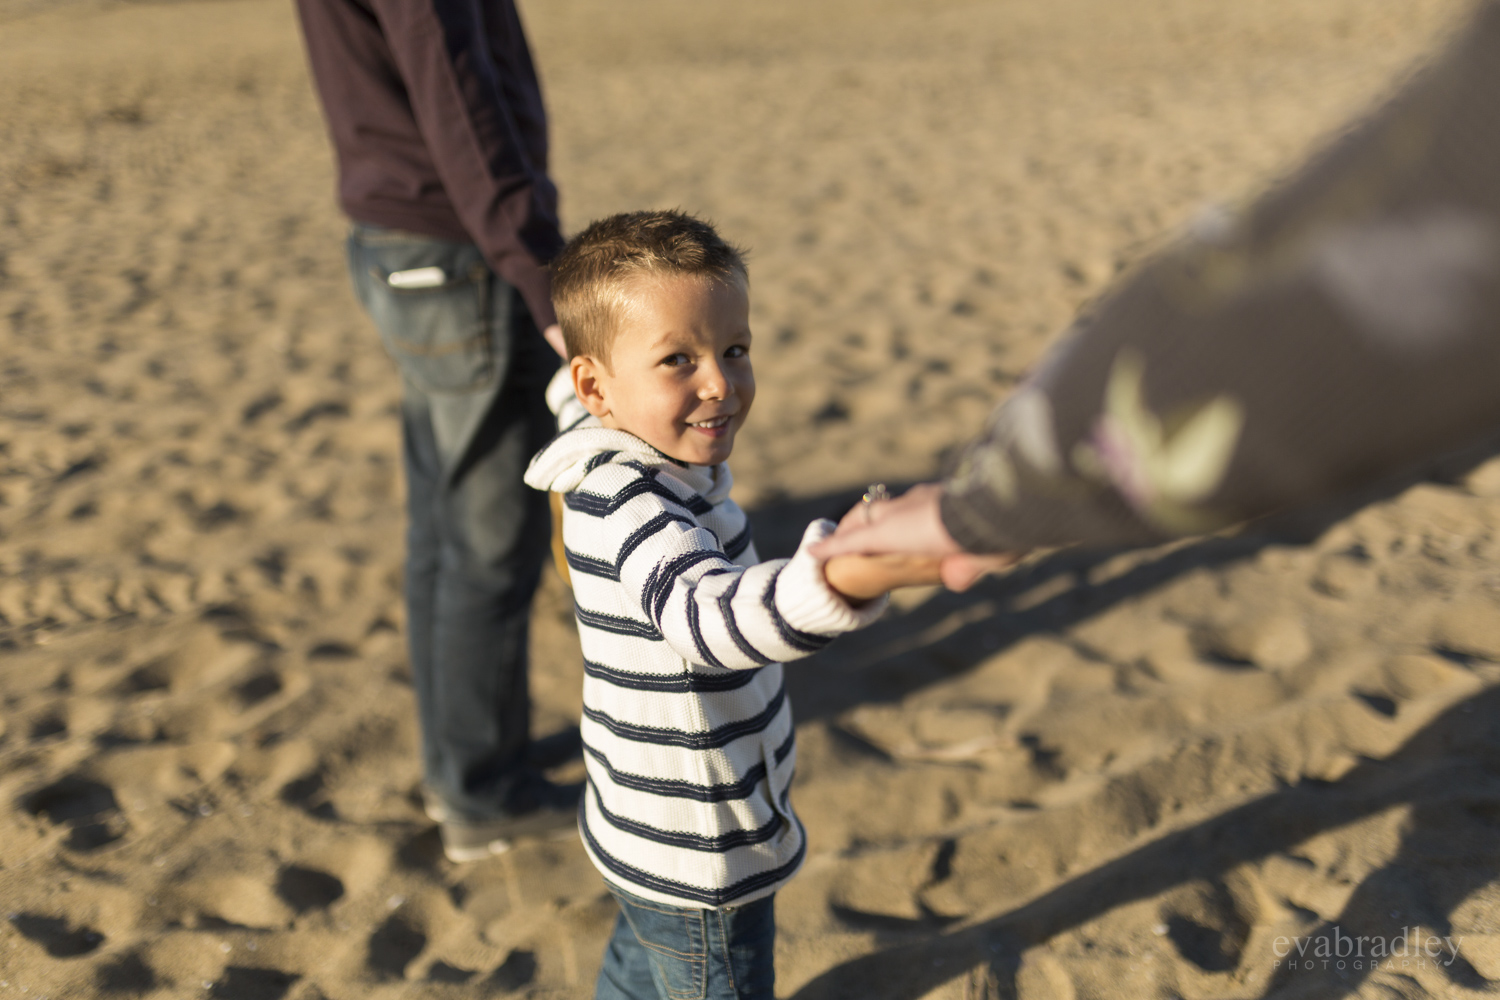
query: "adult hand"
911, 525
553, 335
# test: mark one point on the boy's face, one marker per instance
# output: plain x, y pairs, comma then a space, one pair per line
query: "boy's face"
679, 375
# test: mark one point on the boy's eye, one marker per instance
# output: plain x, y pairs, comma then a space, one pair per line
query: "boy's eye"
737, 351
673, 360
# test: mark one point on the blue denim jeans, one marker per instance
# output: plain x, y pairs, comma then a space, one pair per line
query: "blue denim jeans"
661, 952
473, 372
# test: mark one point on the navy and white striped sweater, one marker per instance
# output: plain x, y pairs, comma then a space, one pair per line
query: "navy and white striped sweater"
686, 727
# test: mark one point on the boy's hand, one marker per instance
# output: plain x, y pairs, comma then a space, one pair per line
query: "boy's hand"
864, 578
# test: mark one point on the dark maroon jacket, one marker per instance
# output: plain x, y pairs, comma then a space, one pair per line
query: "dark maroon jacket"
436, 116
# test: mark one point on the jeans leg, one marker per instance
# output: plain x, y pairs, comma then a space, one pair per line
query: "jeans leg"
691, 954
473, 371
424, 489
742, 951
626, 972
495, 536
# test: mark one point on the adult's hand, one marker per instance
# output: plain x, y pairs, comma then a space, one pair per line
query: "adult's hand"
553, 335
912, 525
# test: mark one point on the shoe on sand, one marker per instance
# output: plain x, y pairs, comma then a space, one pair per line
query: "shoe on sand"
552, 750
555, 749
434, 805
551, 809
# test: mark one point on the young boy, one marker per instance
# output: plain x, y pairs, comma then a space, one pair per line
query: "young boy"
686, 728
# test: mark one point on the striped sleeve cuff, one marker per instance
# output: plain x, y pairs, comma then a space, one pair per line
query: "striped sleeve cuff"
806, 601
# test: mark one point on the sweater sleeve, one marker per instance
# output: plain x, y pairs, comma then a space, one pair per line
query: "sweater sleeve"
717, 614
447, 53
1344, 327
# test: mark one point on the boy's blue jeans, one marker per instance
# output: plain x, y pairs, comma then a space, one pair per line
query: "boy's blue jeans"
474, 369
661, 952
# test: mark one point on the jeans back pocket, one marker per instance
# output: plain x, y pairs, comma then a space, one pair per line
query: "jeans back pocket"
435, 304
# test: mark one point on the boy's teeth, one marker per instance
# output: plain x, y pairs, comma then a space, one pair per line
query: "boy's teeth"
715, 422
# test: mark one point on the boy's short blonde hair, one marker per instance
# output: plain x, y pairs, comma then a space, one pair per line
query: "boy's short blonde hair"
592, 275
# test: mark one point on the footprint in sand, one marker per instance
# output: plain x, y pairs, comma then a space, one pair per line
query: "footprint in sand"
310, 794
393, 946
305, 889
241, 983
1208, 925
86, 806
49, 724
56, 936
442, 972
257, 688
518, 969
126, 973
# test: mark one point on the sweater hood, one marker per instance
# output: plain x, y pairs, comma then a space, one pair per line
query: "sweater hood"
561, 466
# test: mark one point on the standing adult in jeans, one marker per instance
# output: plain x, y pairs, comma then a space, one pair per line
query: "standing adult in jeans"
436, 117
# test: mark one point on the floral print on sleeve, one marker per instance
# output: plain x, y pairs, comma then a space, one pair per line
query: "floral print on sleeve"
1163, 470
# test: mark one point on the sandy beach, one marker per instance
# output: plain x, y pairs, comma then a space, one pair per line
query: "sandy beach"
1146, 774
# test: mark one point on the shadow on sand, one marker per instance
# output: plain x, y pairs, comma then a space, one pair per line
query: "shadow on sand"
1448, 773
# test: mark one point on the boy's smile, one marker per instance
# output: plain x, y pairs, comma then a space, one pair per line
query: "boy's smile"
678, 375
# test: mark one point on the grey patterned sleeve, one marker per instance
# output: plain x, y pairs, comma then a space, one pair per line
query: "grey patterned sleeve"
1344, 326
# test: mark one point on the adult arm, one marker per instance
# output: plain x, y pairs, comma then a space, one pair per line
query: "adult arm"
1344, 327
473, 91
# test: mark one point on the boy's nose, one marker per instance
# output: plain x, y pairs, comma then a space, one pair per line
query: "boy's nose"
714, 385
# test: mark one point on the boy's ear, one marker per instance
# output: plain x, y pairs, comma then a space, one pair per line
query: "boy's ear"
587, 385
